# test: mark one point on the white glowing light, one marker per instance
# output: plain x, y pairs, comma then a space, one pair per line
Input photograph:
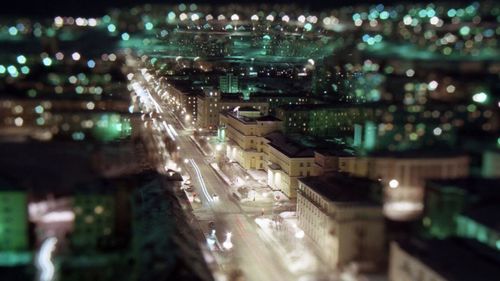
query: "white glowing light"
235, 17
44, 262
62, 216
228, 245
254, 18
75, 56
393, 183
299, 234
437, 131
202, 182
432, 85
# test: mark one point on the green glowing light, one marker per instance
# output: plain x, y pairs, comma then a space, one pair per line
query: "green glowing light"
13, 31
78, 136
171, 16
464, 31
308, 27
148, 26
2, 69
384, 15
79, 90
480, 97
111, 27
106, 19
40, 121
413, 136
25, 70
39, 109
12, 70
21, 59
452, 12
125, 36
47, 61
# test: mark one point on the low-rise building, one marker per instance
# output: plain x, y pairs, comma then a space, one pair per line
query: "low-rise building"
442, 260
481, 224
446, 200
246, 129
286, 162
327, 160
408, 171
343, 216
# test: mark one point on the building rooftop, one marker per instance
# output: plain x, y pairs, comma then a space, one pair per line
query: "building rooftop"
286, 146
248, 119
343, 188
480, 191
487, 216
418, 153
454, 258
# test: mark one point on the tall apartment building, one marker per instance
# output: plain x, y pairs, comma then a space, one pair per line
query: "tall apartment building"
246, 129
229, 83
343, 216
323, 120
94, 226
287, 161
211, 103
13, 218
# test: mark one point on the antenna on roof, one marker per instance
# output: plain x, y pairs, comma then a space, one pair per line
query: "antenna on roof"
237, 110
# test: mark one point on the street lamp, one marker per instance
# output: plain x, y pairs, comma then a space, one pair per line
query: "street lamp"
393, 183
227, 243
299, 234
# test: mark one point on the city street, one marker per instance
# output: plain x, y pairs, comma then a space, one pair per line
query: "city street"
257, 258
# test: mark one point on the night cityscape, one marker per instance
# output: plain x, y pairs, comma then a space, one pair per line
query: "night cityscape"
244, 141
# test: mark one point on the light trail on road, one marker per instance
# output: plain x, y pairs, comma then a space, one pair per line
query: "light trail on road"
202, 182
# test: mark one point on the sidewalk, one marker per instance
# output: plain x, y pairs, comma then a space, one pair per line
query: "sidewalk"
292, 247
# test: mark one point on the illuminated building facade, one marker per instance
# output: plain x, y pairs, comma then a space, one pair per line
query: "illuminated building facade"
343, 216
287, 161
246, 130
211, 103
13, 218
94, 220
321, 120
229, 83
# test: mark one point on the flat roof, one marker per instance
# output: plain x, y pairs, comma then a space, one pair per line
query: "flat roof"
487, 216
343, 188
418, 153
249, 120
286, 146
455, 259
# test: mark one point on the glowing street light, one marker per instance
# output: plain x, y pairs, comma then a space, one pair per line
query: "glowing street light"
227, 243
393, 184
299, 234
